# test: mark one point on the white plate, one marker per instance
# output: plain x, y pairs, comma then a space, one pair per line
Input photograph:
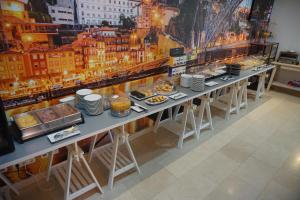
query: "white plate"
92, 97
153, 104
84, 92
178, 96
211, 83
67, 99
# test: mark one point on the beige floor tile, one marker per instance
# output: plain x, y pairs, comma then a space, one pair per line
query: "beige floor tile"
271, 154
242, 123
283, 139
163, 195
292, 164
288, 112
238, 150
233, 188
255, 136
217, 167
95, 196
287, 179
126, 196
203, 184
275, 191
186, 163
185, 189
153, 185
255, 172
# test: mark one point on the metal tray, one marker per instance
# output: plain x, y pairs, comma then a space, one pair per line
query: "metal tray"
73, 115
50, 123
28, 131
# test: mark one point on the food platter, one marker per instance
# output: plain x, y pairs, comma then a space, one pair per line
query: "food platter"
164, 88
142, 93
156, 100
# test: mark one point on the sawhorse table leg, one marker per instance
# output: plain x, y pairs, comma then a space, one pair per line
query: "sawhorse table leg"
9, 184
271, 78
204, 108
83, 180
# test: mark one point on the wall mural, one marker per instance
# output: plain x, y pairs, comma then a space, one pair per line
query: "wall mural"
51, 48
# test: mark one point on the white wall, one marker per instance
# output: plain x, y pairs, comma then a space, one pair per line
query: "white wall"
285, 24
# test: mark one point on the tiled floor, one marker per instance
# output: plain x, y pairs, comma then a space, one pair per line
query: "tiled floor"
254, 155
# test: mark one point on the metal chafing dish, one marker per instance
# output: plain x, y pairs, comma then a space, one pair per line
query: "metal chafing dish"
50, 118
44, 121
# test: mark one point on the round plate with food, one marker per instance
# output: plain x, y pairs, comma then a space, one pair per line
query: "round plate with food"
156, 100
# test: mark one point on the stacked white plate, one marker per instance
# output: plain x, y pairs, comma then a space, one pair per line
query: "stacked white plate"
93, 104
186, 80
80, 94
198, 83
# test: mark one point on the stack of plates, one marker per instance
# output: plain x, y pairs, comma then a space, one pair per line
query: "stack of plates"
80, 94
234, 69
93, 104
186, 80
198, 83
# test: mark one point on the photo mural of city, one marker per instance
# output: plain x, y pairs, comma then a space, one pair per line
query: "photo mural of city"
50, 48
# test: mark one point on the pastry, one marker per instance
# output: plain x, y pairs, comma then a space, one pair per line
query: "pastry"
157, 99
164, 88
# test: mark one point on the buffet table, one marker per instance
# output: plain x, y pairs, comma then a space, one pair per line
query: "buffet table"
106, 122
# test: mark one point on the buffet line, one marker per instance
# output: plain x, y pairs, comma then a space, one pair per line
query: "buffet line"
88, 114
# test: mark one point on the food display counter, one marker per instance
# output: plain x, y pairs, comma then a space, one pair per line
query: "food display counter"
95, 125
